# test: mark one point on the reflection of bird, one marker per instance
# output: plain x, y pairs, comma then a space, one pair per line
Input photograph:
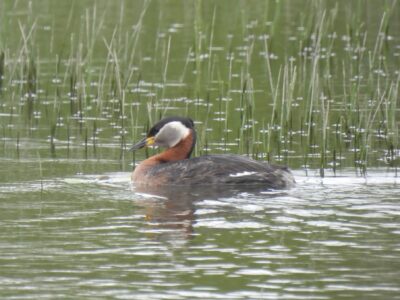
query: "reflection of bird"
175, 167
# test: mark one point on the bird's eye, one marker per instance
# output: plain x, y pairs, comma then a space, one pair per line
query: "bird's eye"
153, 131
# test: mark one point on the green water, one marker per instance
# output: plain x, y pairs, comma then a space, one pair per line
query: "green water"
85, 238
310, 84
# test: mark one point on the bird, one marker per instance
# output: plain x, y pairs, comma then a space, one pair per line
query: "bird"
174, 166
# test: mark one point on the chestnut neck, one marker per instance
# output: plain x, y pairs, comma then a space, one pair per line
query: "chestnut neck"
180, 151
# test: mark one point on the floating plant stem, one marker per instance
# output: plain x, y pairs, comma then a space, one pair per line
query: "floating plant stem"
187, 60
198, 24
1, 70
379, 40
94, 138
324, 143
334, 162
210, 44
273, 120
134, 38
40, 173
86, 142
18, 146
268, 67
166, 60
122, 133
52, 143
68, 139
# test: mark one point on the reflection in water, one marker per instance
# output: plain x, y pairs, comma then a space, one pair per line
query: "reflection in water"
171, 209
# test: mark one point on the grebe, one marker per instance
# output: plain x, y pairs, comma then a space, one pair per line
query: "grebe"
174, 166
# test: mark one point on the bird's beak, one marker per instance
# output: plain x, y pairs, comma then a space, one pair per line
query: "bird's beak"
146, 142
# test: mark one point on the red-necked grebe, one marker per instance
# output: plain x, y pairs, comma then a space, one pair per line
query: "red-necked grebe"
175, 167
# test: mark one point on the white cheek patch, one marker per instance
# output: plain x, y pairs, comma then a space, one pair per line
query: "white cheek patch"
171, 134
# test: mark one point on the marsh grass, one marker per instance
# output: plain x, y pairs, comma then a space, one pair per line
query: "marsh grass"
1, 70
326, 99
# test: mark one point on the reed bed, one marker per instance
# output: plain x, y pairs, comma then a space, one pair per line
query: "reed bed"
320, 94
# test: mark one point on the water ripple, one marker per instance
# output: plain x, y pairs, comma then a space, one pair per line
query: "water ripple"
325, 239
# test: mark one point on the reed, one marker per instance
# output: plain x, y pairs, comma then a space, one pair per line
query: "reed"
325, 92
40, 174
52, 141
1, 70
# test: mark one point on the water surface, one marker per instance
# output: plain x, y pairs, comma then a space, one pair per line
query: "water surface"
95, 236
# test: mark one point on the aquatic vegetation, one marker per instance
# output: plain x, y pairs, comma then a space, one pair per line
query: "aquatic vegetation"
314, 88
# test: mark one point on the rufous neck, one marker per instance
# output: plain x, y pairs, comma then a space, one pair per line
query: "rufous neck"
180, 151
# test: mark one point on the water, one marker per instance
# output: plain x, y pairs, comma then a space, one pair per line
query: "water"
305, 83
96, 237
83, 80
